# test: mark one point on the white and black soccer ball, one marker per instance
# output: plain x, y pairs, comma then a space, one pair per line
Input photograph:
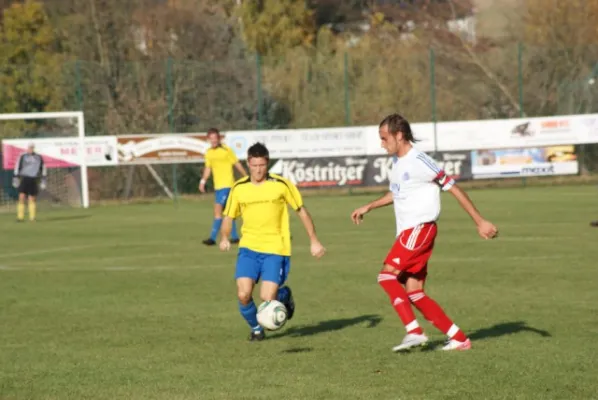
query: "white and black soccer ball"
272, 315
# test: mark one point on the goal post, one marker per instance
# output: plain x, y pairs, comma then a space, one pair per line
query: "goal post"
45, 130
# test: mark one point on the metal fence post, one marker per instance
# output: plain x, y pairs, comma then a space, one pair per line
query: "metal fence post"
433, 98
170, 105
260, 106
347, 93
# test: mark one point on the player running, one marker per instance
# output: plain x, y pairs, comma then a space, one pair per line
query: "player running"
415, 184
220, 159
265, 249
28, 171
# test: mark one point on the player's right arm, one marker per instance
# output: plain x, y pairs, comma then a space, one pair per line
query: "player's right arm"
231, 211
206, 173
16, 180
357, 215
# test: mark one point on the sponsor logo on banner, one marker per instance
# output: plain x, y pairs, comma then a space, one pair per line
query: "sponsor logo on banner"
63, 152
513, 133
455, 164
556, 160
162, 149
323, 172
359, 171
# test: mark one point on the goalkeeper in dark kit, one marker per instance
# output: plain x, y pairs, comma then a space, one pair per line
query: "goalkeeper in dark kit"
29, 174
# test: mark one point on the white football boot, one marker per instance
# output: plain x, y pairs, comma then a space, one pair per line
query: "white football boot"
453, 344
410, 341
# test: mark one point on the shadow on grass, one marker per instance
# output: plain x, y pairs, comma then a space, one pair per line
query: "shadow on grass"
298, 350
328, 326
65, 218
494, 331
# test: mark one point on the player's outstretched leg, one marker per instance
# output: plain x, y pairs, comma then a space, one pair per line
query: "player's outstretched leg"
400, 301
436, 315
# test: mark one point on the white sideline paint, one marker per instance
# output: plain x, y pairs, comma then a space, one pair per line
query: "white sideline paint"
80, 247
125, 268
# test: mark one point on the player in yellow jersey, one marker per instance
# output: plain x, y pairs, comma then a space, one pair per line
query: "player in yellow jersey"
265, 250
220, 160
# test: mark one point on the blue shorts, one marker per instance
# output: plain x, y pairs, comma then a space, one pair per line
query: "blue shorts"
221, 196
267, 267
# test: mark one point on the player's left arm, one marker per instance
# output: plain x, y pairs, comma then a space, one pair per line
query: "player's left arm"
232, 157
486, 229
432, 171
239, 167
294, 199
43, 172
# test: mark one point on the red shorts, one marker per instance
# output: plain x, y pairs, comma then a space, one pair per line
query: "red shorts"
412, 250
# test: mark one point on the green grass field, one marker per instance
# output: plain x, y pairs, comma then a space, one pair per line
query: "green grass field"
123, 302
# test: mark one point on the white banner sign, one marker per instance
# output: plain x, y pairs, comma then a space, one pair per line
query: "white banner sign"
449, 136
300, 143
513, 133
63, 152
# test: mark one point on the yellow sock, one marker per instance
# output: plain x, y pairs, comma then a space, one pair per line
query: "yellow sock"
20, 211
32, 210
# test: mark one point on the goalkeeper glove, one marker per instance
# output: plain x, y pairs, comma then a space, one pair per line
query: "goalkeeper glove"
43, 184
15, 182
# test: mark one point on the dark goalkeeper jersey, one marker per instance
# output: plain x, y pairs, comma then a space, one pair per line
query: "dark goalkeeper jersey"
30, 165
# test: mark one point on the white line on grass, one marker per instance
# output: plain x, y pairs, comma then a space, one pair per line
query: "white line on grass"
79, 247
230, 266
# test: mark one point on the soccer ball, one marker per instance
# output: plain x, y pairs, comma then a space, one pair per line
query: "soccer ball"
272, 315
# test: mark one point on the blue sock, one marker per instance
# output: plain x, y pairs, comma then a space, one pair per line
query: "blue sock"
283, 294
249, 312
215, 228
234, 235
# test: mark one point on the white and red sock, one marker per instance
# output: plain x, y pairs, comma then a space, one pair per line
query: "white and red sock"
434, 313
400, 302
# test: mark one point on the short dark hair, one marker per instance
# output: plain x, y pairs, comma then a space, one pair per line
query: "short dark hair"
396, 123
258, 150
213, 131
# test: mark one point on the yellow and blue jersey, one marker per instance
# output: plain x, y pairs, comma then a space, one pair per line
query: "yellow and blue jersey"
221, 160
263, 208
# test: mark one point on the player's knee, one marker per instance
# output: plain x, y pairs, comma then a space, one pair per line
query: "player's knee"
389, 269
244, 297
414, 284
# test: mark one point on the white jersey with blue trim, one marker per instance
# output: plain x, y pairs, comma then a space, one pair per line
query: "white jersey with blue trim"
415, 183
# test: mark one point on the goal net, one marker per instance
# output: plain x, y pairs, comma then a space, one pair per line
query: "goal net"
60, 139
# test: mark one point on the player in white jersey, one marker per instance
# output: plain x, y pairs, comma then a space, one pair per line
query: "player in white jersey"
415, 185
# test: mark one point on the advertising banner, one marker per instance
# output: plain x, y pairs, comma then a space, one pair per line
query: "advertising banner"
62, 152
323, 172
162, 149
556, 160
303, 143
328, 172
515, 133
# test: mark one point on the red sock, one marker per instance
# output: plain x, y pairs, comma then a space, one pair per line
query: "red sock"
434, 313
400, 301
